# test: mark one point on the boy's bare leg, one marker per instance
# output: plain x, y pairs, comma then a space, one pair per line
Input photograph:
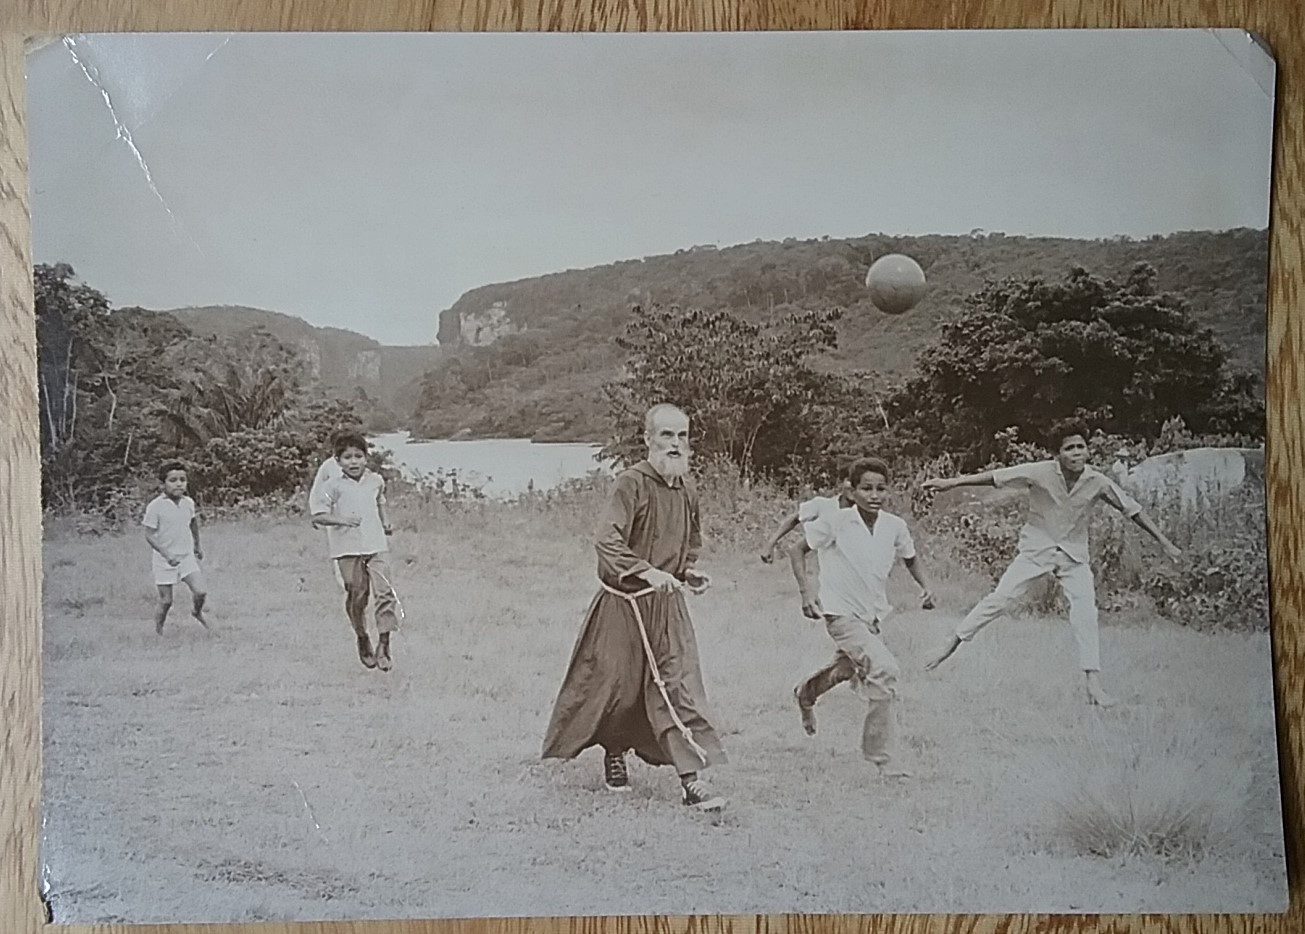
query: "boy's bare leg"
1097, 695
198, 594
953, 643
165, 604
357, 588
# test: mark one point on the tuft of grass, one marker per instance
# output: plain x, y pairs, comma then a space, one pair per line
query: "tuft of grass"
1154, 788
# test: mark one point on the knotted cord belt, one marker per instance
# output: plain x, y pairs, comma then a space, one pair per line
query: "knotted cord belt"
632, 599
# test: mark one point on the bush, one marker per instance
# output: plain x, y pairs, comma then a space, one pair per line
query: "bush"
1223, 579
1145, 790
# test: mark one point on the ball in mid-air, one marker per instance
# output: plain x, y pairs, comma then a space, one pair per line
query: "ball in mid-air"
896, 283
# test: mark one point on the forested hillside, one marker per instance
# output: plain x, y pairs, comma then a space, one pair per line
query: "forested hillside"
546, 345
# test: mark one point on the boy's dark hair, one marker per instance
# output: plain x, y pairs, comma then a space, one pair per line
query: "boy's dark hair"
1066, 428
866, 465
348, 439
168, 466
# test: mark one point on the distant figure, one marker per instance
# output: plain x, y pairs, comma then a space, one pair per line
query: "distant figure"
351, 507
634, 681
858, 546
1054, 541
329, 470
172, 530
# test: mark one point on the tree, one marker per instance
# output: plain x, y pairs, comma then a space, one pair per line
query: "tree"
123, 389
246, 382
1027, 352
746, 387
102, 373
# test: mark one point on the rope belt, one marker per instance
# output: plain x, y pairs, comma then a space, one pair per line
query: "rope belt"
632, 599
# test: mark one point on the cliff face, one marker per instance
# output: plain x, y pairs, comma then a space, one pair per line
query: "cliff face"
481, 327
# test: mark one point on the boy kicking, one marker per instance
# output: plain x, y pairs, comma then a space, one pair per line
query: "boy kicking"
858, 547
172, 531
351, 507
1054, 541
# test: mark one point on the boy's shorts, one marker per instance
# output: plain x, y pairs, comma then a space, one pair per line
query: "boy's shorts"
165, 576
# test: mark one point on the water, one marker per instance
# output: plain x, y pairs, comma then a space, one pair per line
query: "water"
502, 467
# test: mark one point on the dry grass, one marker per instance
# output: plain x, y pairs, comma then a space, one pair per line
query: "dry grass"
257, 772
1147, 789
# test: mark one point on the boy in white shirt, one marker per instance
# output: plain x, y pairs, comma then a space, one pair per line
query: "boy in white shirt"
352, 509
172, 531
858, 547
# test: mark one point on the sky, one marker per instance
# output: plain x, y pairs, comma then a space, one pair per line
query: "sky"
366, 181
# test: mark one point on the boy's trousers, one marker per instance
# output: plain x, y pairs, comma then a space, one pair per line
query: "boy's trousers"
364, 576
865, 660
1075, 579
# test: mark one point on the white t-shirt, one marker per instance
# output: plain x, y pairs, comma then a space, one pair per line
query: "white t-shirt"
816, 507
170, 520
855, 561
343, 497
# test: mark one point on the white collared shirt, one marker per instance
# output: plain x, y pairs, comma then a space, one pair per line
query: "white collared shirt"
855, 560
817, 506
363, 498
169, 519
1058, 513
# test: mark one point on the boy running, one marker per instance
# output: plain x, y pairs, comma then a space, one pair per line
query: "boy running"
1054, 541
172, 531
352, 509
858, 547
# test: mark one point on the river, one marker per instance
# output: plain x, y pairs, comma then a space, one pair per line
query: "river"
502, 467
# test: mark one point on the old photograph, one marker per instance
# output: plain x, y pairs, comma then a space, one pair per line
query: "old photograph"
492, 475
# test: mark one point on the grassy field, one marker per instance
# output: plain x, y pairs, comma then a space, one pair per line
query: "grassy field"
257, 772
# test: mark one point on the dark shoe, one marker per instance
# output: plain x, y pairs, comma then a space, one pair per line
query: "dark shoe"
383, 661
808, 712
697, 795
615, 774
365, 652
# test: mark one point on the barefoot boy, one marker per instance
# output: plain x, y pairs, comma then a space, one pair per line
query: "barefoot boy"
858, 547
1054, 541
352, 509
172, 530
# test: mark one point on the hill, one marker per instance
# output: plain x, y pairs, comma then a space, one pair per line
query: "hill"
383, 378
528, 358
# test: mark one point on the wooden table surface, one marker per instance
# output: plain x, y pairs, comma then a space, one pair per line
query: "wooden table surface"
1281, 22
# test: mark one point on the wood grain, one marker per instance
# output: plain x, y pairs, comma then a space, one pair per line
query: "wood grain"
1281, 22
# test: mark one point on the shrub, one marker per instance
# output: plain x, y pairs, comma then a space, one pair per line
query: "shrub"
1145, 790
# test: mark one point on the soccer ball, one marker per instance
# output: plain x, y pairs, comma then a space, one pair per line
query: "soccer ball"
896, 283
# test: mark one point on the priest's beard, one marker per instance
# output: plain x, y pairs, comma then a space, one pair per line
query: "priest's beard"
672, 468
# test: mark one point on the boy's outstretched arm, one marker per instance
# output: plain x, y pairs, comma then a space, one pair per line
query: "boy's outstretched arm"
797, 556
788, 525
1144, 522
913, 565
194, 534
940, 484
